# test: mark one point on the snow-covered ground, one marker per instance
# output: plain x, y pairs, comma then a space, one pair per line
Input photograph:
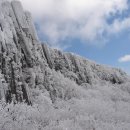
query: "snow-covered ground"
99, 107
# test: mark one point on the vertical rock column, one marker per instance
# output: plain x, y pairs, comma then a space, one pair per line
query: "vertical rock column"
13, 27
22, 31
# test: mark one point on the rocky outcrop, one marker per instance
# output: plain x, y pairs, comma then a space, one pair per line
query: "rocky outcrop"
26, 64
83, 71
21, 55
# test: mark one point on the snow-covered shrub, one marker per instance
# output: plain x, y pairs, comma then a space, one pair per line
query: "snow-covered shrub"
103, 108
100, 107
65, 88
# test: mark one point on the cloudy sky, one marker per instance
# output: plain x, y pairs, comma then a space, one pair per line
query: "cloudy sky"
96, 29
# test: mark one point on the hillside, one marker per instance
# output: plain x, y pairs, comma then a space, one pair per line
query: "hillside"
42, 88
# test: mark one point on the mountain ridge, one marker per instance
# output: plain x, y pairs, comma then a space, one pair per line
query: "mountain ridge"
25, 60
42, 88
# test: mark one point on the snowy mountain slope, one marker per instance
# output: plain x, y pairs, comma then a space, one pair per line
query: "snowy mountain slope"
71, 92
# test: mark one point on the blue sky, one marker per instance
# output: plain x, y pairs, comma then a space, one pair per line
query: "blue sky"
108, 54
98, 29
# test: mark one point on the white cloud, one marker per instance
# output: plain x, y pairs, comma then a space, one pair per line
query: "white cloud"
125, 58
119, 25
83, 19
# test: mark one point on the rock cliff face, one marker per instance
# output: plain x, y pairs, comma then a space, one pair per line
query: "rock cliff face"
26, 63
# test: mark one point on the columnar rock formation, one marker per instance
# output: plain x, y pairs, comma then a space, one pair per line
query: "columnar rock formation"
26, 63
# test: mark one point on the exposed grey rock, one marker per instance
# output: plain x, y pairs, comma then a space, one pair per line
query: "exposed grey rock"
31, 26
26, 64
47, 55
21, 55
20, 15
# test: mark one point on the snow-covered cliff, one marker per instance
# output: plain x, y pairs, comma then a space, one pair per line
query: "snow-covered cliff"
62, 91
26, 63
